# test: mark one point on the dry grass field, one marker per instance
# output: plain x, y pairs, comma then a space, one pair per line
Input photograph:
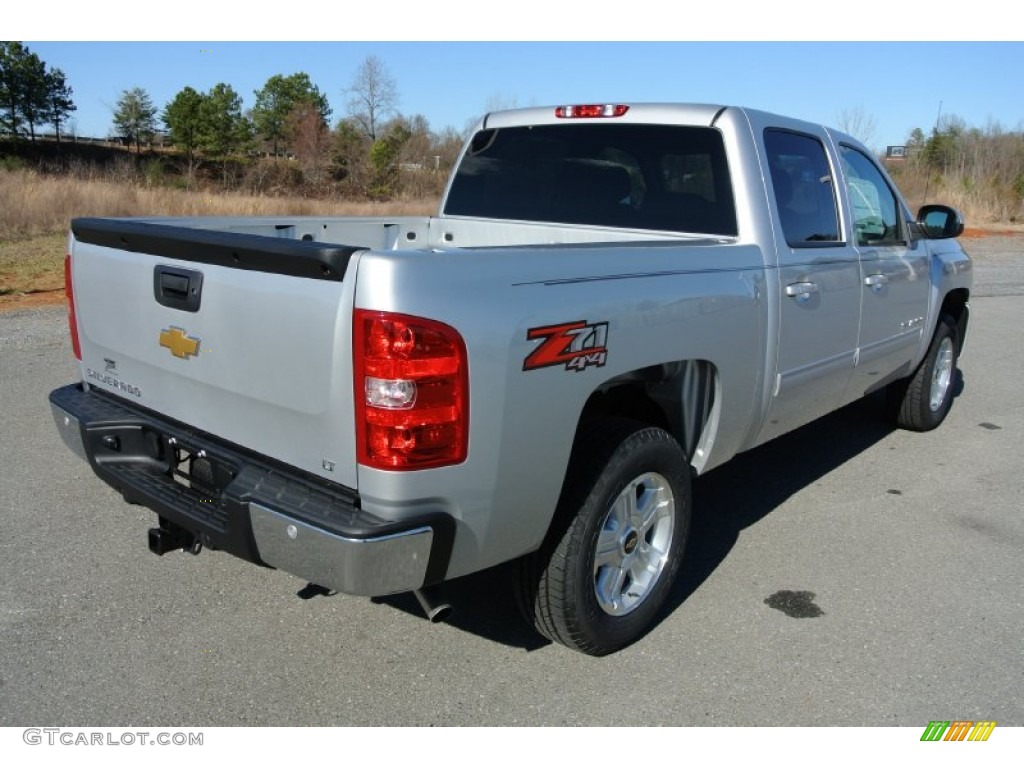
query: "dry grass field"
35, 204
31, 265
981, 207
35, 210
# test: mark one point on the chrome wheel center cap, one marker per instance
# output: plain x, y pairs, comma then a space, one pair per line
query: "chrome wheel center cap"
630, 542
634, 543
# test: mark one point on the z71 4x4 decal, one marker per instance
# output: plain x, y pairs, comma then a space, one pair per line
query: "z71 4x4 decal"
577, 346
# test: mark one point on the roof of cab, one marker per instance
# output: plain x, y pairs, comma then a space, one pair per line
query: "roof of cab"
686, 114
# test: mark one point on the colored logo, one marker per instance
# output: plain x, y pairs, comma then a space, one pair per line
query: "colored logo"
179, 342
958, 730
576, 345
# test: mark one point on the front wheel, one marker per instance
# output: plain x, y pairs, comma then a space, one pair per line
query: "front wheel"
617, 542
922, 401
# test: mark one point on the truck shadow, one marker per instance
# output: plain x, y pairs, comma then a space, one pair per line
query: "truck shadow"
483, 604
750, 486
726, 501
739, 494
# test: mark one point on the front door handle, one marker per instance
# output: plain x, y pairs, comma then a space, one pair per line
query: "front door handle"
801, 291
876, 282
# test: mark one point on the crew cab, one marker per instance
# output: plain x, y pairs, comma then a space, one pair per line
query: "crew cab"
611, 300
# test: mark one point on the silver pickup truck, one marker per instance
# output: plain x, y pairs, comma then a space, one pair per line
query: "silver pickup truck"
612, 299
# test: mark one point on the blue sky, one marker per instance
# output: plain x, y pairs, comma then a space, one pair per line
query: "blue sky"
444, 73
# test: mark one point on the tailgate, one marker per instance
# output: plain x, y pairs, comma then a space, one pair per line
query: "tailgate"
241, 336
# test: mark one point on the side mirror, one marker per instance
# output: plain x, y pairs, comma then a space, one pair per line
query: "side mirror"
939, 222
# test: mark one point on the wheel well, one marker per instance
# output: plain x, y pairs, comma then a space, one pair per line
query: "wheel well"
955, 305
629, 400
676, 397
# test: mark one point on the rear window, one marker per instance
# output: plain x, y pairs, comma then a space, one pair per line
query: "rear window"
659, 177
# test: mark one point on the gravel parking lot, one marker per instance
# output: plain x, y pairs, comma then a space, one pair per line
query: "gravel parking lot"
846, 574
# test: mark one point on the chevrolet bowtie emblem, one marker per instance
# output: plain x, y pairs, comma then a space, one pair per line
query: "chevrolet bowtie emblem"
179, 342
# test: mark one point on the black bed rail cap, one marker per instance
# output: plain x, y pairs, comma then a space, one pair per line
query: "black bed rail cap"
238, 250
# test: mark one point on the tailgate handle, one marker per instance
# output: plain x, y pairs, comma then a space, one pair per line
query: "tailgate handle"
178, 288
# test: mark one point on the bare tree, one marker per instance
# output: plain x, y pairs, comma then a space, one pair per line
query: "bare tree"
446, 148
416, 149
311, 141
858, 124
498, 101
350, 157
372, 96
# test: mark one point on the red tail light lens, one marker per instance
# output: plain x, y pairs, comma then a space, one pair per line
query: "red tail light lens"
411, 392
72, 321
592, 110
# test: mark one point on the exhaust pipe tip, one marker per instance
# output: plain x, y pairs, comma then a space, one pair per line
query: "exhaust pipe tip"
440, 613
436, 609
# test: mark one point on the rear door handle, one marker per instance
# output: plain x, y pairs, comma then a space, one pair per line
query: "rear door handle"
875, 282
801, 291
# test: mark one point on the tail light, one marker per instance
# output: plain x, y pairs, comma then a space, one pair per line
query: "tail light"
591, 110
72, 321
411, 392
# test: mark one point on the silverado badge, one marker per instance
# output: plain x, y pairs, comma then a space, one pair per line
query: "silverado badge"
179, 342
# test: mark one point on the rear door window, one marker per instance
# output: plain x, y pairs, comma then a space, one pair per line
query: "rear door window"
804, 189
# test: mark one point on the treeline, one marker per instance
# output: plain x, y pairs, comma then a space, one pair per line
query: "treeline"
284, 144
292, 142
979, 170
372, 151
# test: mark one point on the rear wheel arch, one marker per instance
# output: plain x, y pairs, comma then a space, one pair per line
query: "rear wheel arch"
678, 397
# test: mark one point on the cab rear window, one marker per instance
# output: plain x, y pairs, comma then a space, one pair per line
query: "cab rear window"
656, 177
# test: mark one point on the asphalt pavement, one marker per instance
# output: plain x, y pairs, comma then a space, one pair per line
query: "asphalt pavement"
844, 575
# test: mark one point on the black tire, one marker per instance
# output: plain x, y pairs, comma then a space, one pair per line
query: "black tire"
628, 491
922, 401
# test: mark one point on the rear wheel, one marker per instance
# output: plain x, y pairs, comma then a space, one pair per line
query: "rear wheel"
923, 400
617, 541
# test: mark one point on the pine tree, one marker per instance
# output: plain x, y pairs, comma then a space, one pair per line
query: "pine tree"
13, 88
276, 101
59, 105
134, 116
183, 117
226, 130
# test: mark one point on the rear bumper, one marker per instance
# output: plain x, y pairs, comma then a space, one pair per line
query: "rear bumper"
249, 505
